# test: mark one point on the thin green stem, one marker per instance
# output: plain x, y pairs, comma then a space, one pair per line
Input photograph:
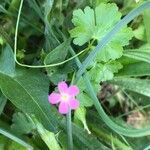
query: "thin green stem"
69, 131
40, 66
69, 124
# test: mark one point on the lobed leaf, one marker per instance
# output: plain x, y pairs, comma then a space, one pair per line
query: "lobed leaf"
94, 24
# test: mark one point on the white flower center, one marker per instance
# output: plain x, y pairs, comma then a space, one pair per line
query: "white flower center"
65, 97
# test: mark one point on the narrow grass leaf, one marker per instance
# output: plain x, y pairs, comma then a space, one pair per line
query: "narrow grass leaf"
137, 85
138, 54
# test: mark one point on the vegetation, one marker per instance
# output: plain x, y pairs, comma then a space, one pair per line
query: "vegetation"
100, 48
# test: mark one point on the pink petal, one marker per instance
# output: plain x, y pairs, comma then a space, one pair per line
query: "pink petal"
63, 108
73, 90
73, 103
54, 98
62, 87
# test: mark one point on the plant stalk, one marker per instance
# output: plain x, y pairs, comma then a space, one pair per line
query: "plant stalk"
69, 131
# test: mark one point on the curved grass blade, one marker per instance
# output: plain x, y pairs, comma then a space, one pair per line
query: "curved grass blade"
129, 132
15, 138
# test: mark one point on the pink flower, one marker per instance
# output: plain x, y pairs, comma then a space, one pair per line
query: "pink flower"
65, 97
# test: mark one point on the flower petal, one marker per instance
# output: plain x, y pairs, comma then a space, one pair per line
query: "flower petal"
73, 90
54, 98
73, 103
62, 87
63, 108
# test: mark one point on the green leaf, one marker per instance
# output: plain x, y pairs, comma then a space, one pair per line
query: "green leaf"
104, 72
2, 102
4, 36
14, 5
33, 4
146, 18
3, 142
99, 72
85, 24
135, 69
136, 85
57, 55
118, 129
84, 99
48, 7
6, 144
28, 90
126, 60
108, 138
138, 54
14, 145
22, 124
110, 35
5, 130
7, 63
80, 114
1, 40
139, 33
48, 137
63, 140
94, 24
111, 51
86, 139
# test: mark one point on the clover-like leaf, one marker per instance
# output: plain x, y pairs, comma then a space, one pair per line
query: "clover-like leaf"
85, 24
93, 24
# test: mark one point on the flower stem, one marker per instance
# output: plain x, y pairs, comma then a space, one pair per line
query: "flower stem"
69, 131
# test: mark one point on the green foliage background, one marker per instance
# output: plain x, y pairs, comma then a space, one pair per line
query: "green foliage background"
86, 41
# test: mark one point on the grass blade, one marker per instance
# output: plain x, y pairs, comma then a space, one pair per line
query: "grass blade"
15, 138
139, 54
129, 132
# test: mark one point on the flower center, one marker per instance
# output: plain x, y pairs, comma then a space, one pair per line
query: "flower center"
65, 97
